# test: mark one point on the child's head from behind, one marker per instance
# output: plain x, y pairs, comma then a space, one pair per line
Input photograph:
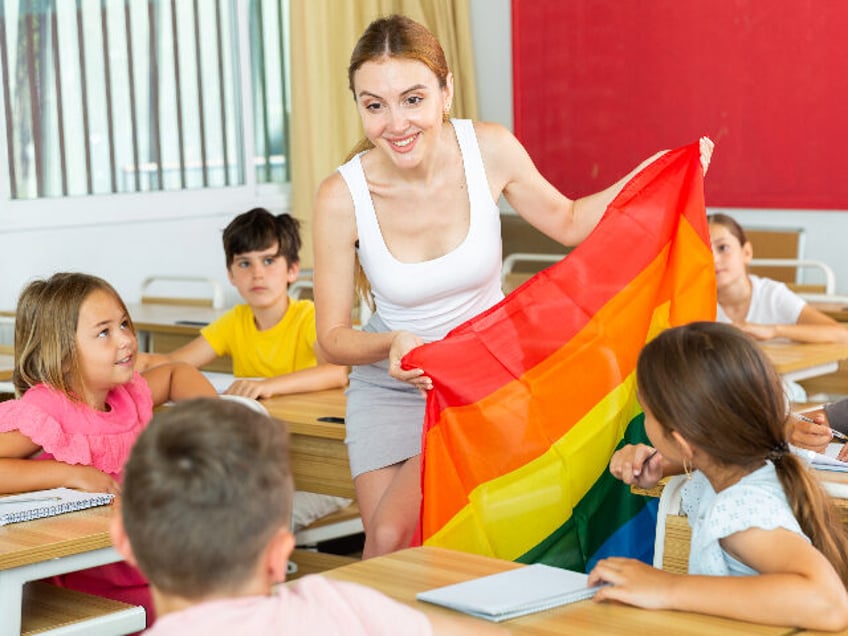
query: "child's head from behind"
206, 487
72, 329
258, 229
711, 383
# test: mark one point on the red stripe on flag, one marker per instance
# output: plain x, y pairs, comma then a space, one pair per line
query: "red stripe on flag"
635, 228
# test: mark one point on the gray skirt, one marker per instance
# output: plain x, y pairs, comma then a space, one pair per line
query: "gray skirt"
384, 418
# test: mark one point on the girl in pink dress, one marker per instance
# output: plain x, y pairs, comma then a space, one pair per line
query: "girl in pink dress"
81, 404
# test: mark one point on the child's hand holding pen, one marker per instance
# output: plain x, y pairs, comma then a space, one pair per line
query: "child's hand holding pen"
637, 464
812, 430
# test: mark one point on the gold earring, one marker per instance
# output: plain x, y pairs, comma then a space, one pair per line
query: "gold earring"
687, 468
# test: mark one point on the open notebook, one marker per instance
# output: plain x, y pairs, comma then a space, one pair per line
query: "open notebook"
826, 460
513, 593
47, 503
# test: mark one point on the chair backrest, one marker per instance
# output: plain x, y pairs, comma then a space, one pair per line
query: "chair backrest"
214, 292
301, 288
772, 243
520, 266
794, 265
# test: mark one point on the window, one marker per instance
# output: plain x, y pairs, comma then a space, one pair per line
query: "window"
134, 96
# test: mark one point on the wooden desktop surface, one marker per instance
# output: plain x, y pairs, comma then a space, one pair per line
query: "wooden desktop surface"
318, 452
167, 318
7, 365
54, 537
836, 310
804, 357
403, 574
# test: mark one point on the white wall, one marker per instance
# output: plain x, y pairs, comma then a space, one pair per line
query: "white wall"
173, 236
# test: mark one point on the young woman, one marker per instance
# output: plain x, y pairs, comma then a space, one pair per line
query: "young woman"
417, 209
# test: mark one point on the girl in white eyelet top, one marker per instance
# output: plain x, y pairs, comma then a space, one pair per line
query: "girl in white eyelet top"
417, 207
767, 543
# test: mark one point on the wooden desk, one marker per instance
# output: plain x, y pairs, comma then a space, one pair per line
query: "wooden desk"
837, 311
403, 574
318, 452
165, 327
57, 545
7, 365
802, 360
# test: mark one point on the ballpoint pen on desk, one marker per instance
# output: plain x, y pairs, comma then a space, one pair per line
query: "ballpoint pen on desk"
842, 437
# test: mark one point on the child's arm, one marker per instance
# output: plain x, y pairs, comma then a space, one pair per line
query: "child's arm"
317, 378
23, 475
197, 353
177, 381
18, 474
796, 587
323, 376
811, 326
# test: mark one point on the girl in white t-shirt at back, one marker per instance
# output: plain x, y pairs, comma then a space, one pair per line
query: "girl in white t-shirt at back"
762, 307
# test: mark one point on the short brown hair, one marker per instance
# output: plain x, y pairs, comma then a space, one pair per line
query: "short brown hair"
46, 322
206, 486
258, 229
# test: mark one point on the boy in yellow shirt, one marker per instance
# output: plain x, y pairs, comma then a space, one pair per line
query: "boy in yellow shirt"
271, 338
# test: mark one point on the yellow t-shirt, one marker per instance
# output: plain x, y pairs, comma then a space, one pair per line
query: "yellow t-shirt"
287, 346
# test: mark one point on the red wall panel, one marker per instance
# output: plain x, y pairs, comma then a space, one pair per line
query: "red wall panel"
601, 84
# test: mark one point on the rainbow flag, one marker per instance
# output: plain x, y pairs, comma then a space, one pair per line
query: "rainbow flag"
532, 397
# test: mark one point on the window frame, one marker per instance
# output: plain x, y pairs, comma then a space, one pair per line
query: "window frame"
18, 215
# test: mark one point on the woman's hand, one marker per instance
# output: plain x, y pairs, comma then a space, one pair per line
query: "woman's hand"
402, 343
638, 465
707, 146
632, 582
90, 479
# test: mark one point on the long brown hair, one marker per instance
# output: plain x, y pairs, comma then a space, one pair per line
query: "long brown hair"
712, 383
401, 37
46, 330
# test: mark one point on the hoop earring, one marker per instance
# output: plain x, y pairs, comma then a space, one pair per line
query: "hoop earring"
687, 468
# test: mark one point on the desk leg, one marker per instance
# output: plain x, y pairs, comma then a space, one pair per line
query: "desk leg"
12, 582
11, 600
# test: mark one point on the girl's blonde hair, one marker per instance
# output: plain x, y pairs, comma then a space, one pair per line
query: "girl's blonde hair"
713, 384
46, 330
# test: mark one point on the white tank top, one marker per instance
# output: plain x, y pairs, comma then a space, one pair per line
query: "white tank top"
432, 297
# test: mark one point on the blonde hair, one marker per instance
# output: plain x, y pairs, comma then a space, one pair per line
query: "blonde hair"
46, 321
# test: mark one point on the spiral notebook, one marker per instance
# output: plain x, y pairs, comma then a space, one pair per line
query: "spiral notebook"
513, 593
48, 503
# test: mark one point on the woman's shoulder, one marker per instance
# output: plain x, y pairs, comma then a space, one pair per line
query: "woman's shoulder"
333, 194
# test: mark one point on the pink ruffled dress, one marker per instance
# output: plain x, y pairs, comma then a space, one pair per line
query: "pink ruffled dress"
75, 433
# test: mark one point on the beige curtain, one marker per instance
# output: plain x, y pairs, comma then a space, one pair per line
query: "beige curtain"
325, 124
